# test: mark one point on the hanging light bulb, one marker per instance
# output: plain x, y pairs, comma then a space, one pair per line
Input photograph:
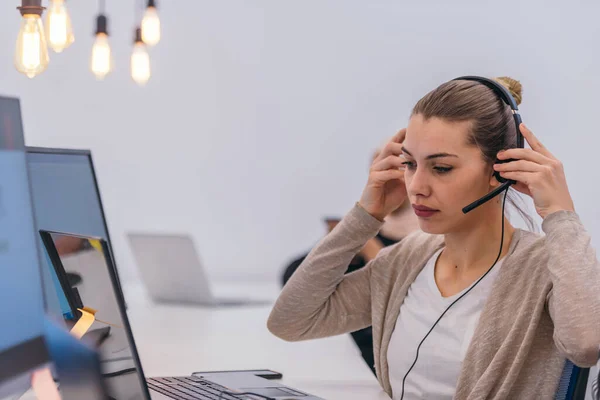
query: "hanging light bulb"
59, 30
102, 62
151, 25
140, 60
31, 54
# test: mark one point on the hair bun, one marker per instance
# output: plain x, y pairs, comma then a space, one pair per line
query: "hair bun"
514, 87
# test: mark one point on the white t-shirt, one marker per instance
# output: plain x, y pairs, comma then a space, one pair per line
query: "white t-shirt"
436, 372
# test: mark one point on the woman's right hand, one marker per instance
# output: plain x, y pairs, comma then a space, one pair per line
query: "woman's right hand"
385, 190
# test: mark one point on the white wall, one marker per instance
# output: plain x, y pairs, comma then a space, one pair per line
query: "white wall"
261, 115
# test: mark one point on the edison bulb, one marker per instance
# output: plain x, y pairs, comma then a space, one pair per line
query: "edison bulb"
59, 30
31, 55
140, 64
151, 27
101, 56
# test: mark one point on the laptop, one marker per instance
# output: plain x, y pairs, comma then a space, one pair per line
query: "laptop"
124, 377
172, 272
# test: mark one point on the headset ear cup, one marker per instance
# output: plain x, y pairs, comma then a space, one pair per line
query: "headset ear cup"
499, 178
497, 175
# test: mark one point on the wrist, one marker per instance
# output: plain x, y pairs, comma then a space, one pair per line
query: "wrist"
553, 210
375, 215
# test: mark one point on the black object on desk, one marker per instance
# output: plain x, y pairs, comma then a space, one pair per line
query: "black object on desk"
261, 373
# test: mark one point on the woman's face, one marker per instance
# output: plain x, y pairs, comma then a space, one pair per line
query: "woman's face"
444, 173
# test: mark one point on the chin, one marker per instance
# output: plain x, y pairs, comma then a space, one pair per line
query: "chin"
432, 230
433, 227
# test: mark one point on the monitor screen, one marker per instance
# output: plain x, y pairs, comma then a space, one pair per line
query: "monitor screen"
21, 299
66, 199
90, 258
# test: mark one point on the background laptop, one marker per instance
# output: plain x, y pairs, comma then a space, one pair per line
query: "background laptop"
129, 382
172, 272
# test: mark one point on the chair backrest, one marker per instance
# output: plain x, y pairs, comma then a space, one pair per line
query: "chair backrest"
573, 382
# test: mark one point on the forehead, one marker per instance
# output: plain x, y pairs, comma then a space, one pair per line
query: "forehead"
435, 135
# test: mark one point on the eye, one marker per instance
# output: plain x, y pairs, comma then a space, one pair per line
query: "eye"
409, 164
442, 170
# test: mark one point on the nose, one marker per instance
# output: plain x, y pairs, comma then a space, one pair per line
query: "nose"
417, 183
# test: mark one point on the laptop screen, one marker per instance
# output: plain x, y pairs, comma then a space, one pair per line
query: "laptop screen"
96, 291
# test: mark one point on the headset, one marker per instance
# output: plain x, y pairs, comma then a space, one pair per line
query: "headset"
508, 99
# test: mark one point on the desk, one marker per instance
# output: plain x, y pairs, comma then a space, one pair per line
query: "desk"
175, 340
178, 340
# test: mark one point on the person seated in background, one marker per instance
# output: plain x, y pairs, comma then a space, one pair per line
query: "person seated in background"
398, 224
401, 222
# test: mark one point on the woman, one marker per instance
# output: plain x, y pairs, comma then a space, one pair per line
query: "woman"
520, 303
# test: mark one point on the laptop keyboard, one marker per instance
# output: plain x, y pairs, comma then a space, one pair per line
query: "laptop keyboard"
193, 388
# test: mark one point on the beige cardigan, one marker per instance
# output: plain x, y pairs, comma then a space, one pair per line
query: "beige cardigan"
544, 305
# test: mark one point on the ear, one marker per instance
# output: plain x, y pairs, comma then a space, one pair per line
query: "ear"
494, 183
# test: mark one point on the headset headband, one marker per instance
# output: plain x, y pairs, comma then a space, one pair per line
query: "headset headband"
505, 96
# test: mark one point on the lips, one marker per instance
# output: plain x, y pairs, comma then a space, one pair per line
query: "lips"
423, 211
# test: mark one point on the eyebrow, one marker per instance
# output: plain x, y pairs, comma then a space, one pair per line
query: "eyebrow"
431, 156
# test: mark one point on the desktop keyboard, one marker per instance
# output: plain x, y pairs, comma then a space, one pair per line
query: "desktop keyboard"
192, 388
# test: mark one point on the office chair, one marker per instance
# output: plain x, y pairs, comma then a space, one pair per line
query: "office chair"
573, 382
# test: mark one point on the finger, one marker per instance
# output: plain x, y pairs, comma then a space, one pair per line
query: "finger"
391, 149
523, 177
390, 162
388, 175
533, 141
400, 136
519, 165
524, 154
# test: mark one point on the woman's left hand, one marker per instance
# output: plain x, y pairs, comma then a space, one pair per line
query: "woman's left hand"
538, 174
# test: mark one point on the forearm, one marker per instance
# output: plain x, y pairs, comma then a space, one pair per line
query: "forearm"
319, 299
575, 297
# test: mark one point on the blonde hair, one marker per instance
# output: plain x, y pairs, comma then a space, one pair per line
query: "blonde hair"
514, 87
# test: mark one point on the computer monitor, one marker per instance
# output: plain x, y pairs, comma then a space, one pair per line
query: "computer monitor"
22, 346
98, 291
66, 198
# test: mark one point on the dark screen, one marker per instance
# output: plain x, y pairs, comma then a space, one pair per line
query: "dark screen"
91, 261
